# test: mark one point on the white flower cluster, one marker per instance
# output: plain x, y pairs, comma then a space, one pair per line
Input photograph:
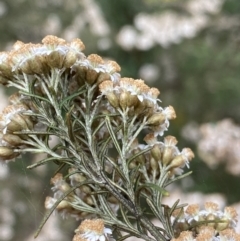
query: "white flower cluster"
168, 27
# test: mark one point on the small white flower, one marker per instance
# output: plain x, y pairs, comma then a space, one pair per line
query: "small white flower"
93, 230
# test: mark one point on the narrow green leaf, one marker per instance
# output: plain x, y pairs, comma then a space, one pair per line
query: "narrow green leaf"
44, 161
71, 97
153, 208
116, 167
138, 154
106, 208
112, 134
156, 187
178, 178
124, 216
69, 124
34, 96
171, 210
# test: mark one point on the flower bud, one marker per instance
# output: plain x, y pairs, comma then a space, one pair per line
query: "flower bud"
113, 200
223, 224
139, 109
37, 64
7, 153
123, 99
88, 200
132, 165
210, 218
80, 74
85, 189
13, 126
5, 67
156, 119
168, 153
55, 59
12, 140
132, 100
70, 59
156, 152
139, 159
20, 122
3, 80
113, 99
177, 161
102, 77
63, 205
64, 187
25, 67
154, 164
32, 65
91, 76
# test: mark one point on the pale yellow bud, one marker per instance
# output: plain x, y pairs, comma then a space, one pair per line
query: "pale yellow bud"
20, 122
113, 200
88, 200
91, 76
154, 164
132, 100
70, 59
123, 99
85, 189
55, 59
25, 67
178, 161
13, 140
156, 119
63, 205
13, 126
102, 77
156, 152
168, 154
223, 224
64, 187
132, 165
7, 153
113, 99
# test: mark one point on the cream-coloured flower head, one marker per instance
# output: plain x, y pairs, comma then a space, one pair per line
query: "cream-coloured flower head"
92, 230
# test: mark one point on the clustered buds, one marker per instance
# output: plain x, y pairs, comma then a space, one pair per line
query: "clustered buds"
166, 154
139, 100
92, 230
83, 193
13, 121
196, 219
207, 233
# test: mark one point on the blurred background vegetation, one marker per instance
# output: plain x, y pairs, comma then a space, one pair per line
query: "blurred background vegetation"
189, 49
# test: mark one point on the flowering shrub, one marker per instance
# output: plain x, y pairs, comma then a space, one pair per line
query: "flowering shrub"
113, 166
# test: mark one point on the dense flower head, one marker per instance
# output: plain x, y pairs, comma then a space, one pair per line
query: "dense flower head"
12, 120
83, 193
219, 143
211, 218
53, 53
165, 154
138, 99
92, 230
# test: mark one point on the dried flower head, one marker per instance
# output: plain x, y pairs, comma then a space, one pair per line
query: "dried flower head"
92, 230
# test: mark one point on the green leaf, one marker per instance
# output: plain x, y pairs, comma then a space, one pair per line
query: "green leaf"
155, 187
138, 154
71, 97
112, 134
178, 178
